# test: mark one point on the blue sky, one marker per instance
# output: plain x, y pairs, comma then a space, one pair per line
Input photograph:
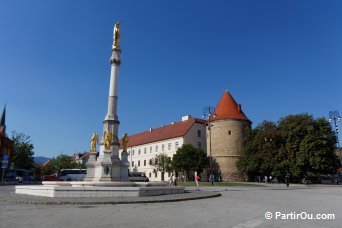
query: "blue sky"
275, 57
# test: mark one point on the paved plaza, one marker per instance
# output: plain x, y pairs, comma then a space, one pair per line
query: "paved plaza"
238, 207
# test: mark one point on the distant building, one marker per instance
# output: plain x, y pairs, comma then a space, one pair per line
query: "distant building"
6, 144
80, 158
144, 146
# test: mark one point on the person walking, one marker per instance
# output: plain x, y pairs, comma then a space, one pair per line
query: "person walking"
211, 179
197, 182
287, 180
171, 181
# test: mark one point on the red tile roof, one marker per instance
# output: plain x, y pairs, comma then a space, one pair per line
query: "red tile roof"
227, 108
174, 130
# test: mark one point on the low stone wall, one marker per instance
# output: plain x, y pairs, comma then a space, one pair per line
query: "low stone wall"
97, 189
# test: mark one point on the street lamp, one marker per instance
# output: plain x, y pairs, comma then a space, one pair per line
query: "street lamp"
335, 116
208, 113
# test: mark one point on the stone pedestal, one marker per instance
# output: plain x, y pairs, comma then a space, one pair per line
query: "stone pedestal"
103, 167
124, 166
91, 166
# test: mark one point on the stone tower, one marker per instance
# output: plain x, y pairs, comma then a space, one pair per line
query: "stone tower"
229, 127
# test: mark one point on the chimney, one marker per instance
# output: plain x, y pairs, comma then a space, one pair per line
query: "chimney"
185, 118
239, 108
151, 129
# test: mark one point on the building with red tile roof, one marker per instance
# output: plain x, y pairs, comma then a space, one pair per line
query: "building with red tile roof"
6, 144
142, 147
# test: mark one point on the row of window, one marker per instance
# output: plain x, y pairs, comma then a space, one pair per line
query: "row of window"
139, 162
156, 148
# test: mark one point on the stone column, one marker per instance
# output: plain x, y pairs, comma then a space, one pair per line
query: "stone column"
108, 163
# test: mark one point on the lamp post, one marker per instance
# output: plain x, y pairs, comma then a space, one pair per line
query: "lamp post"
208, 112
335, 116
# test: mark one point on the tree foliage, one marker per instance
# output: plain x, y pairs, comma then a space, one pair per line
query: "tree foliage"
23, 151
298, 145
188, 158
59, 163
162, 163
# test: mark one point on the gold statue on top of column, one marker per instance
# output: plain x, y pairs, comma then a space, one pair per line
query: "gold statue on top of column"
107, 139
116, 35
94, 140
124, 141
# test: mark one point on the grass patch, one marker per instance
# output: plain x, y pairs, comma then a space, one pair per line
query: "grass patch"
220, 184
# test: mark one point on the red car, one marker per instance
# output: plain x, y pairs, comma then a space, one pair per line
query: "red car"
51, 178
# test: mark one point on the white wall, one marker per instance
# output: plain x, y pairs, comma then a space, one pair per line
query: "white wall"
147, 169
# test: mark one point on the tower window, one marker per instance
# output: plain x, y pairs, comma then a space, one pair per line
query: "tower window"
229, 132
198, 133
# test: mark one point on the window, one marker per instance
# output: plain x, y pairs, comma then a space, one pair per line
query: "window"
151, 149
139, 163
229, 132
199, 145
133, 153
156, 174
156, 148
150, 175
162, 147
132, 163
198, 133
145, 150
144, 162
139, 151
169, 146
176, 145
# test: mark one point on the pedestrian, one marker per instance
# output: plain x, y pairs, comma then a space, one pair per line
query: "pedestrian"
211, 179
175, 181
171, 181
265, 179
197, 182
270, 179
287, 180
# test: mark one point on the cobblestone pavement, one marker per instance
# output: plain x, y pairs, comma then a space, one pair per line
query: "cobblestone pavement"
238, 207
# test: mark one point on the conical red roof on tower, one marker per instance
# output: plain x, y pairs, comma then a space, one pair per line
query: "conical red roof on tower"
227, 108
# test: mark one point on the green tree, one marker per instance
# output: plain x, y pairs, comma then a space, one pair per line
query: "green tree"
189, 159
162, 163
23, 151
261, 146
298, 145
59, 163
308, 146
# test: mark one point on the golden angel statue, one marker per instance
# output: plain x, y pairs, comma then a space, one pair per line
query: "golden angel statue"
107, 139
94, 140
116, 35
124, 141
